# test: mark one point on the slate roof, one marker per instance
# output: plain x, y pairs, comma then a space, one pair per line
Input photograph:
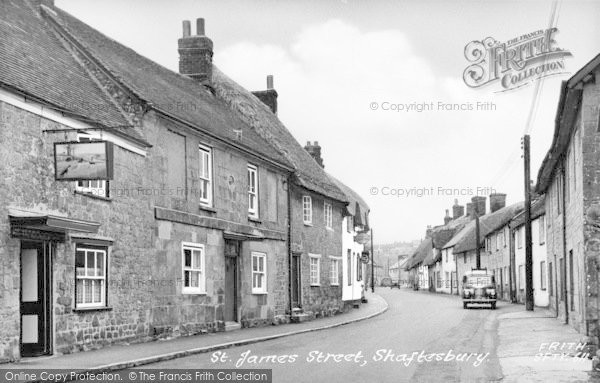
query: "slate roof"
165, 91
564, 123
256, 114
36, 64
487, 224
357, 207
538, 208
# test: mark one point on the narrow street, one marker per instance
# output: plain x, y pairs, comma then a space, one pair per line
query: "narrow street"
415, 322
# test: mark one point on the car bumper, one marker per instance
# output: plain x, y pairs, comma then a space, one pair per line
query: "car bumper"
479, 300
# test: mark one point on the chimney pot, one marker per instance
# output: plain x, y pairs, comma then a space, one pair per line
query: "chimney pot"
447, 218
186, 28
270, 81
497, 201
200, 26
195, 53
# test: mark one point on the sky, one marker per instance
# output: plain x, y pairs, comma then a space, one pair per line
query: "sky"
353, 76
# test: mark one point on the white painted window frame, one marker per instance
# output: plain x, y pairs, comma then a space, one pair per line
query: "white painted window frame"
201, 288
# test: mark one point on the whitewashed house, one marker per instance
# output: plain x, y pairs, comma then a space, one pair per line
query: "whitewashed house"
541, 285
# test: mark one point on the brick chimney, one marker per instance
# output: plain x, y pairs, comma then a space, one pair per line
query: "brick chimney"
470, 209
269, 96
315, 151
497, 201
428, 232
195, 53
447, 218
479, 205
457, 210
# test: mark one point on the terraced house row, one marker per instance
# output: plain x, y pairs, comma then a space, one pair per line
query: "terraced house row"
137, 202
565, 216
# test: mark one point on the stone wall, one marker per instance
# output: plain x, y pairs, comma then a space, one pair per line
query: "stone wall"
325, 299
144, 295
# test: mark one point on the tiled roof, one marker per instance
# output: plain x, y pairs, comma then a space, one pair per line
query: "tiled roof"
487, 224
308, 173
168, 92
35, 63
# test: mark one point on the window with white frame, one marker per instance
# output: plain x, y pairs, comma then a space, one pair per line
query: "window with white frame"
521, 277
194, 278
328, 215
252, 191
350, 223
307, 209
334, 270
259, 273
315, 269
349, 266
520, 237
542, 230
94, 187
205, 175
90, 271
358, 268
543, 275
498, 241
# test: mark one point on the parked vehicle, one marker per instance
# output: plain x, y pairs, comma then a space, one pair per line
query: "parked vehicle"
479, 286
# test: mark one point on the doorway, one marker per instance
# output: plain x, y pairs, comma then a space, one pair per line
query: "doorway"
232, 252
35, 298
296, 286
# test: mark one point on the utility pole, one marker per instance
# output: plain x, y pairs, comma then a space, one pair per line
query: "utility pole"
528, 253
372, 264
477, 246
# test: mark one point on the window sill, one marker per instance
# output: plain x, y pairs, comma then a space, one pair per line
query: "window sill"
92, 195
260, 293
315, 285
193, 292
86, 309
207, 209
330, 229
254, 219
308, 224
334, 285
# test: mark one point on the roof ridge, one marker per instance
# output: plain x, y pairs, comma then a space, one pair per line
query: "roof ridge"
70, 48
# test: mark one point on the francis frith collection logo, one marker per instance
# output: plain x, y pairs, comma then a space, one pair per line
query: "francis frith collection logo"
516, 62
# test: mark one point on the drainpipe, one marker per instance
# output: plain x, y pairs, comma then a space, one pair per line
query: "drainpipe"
289, 244
512, 273
564, 235
456, 268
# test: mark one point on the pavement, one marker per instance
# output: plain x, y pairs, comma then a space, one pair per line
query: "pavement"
123, 356
523, 346
534, 346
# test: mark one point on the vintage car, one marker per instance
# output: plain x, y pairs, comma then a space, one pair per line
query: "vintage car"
479, 286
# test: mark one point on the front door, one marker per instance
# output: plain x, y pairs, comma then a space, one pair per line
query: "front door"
296, 280
232, 250
35, 298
